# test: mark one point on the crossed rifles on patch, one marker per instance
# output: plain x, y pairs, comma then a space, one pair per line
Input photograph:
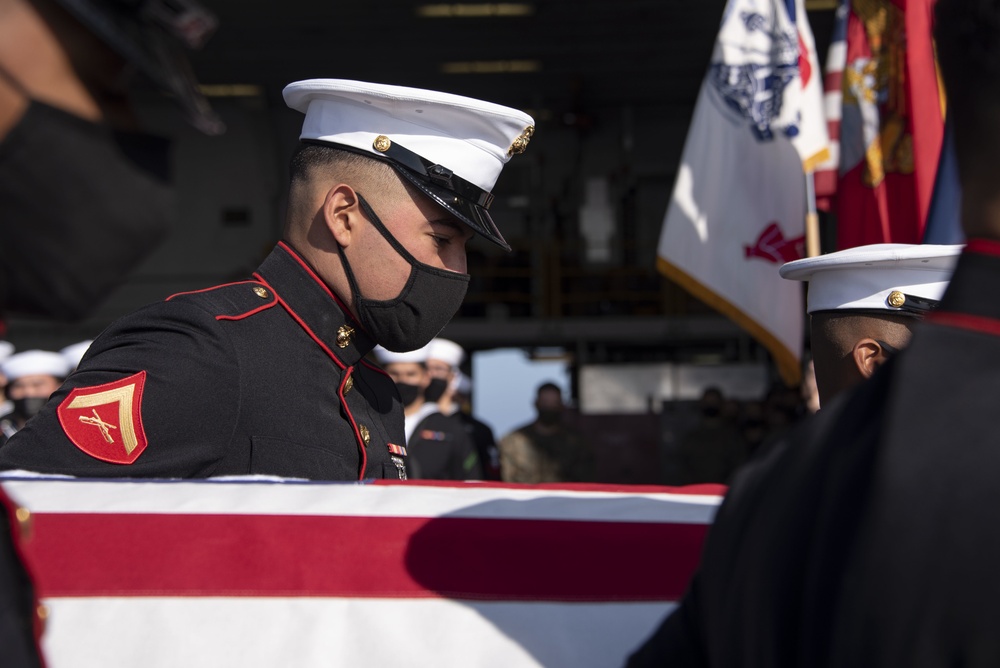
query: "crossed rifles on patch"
105, 427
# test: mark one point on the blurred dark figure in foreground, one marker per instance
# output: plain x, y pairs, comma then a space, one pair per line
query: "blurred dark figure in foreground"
84, 195
866, 537
548, 449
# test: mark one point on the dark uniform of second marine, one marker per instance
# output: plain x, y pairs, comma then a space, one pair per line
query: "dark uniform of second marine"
265, 376
867, 536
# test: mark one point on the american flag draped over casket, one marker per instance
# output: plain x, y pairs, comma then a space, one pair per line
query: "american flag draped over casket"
262, 573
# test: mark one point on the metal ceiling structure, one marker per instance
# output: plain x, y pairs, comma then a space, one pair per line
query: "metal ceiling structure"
588, 53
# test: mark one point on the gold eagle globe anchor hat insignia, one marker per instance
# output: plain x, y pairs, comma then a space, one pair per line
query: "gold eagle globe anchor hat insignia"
452, 148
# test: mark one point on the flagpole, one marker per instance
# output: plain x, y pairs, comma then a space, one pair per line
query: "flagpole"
812, 218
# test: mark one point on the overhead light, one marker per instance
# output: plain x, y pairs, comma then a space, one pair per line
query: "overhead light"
491, 66
476, 10
231, 90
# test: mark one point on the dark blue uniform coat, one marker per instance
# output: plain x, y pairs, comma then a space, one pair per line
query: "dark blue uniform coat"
265, 376
867, 537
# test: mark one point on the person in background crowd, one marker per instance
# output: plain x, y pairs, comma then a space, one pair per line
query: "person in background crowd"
437, 446
6, 350
80, 184
863, 303
32, 377
866, 537
713, 449
443, 360
74, 352
547, 449
267, 375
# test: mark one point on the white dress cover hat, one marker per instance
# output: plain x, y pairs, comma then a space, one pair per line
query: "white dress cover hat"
450, 147
907, 279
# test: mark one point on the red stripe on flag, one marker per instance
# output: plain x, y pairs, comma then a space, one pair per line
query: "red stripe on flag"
370, 557
833, 81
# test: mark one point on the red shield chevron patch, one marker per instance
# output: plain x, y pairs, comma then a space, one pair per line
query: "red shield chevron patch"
105, 421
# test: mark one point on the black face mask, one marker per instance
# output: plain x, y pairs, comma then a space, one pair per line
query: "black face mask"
436, 389
430, 299
408, 393
28, 407
81, 205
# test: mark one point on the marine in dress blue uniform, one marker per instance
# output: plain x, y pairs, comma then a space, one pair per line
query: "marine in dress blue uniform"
267, 375
864, 302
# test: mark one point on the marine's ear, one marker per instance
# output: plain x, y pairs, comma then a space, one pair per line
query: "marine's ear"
868, 355
341, 213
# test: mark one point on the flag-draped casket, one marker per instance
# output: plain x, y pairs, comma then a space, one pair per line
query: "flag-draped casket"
254, 573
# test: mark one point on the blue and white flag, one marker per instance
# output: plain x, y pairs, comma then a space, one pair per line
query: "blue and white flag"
739, 201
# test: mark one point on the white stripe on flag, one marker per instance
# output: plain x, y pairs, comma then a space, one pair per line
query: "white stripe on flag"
264, 633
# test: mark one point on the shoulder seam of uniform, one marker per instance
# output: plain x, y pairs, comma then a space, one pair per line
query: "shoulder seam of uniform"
272, 299
211, 289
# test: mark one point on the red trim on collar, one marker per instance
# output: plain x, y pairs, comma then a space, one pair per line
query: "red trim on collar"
975, 323
309, 270
983, 247
305, 327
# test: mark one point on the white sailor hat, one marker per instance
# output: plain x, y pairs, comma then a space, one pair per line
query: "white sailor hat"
907, 279
462, 383
446, 351
75, 352
35, 363
450, 147
418, 356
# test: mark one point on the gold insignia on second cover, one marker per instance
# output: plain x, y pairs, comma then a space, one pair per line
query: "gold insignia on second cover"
521, 142
896, 299
344, 335
381, 144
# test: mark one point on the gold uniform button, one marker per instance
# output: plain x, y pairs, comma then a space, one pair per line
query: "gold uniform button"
349, 384
344, 335
261, 292
896, 299
365, 434
381, 144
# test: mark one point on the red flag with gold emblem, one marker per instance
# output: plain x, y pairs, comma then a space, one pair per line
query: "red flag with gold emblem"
105, 421
892, 125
